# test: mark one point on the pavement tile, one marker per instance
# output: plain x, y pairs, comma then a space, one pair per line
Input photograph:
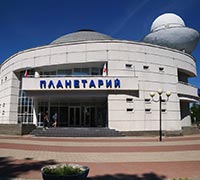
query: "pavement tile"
127, 158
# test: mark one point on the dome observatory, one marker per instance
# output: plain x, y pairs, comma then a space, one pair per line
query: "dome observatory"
169, 30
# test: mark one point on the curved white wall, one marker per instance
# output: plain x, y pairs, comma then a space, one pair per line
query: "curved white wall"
161, 71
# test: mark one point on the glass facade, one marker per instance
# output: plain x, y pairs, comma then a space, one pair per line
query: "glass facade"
25, 109
89, 71
81, 114
25, 104
70, 114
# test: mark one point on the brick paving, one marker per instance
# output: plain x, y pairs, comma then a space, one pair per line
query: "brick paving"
127, 158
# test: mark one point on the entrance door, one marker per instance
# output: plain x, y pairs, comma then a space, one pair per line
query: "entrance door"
63, 116
89, 116
74, 116
42, 109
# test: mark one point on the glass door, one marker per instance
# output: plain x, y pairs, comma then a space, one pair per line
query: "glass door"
63, 116
42, 109
89, 116
74, 116
54, 109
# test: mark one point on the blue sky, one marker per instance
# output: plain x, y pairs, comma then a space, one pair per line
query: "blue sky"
30, 23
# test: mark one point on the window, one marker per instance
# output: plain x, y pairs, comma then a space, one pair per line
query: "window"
68, 72
95, 71
25, 109
147, 100
129, 66
129, 100
145, 67
50, 73
164, 110
85, 71
148, 110
61, 73
77, 69
81, 72
64, 72
129, 109
161, 69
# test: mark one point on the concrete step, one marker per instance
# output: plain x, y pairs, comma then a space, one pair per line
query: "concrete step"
190, 130
76, 132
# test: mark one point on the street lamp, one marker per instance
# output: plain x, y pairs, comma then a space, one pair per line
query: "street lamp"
160, 100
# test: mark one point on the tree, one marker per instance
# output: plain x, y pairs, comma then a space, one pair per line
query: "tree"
195, 113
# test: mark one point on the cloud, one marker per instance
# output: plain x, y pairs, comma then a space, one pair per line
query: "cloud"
134, 9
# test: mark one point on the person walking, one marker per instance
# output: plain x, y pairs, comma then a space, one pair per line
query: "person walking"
55, 117
46, 121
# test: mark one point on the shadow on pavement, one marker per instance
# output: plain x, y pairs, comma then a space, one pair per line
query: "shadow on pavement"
10, 169
146, 176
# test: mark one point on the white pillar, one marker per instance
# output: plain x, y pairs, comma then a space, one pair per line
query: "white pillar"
35, 107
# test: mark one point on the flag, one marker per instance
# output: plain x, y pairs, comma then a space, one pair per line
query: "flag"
26, 73
104, 70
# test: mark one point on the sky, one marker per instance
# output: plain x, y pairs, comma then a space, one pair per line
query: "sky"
31, 23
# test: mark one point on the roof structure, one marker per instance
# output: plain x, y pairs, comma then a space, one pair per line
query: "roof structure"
81, 35
167, 20
169, 30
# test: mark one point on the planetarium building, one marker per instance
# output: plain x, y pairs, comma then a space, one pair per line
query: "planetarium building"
93, 80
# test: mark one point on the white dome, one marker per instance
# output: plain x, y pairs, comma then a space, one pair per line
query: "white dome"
167, 20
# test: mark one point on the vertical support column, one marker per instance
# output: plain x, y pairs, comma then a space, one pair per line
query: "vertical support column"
35, 111
160, 111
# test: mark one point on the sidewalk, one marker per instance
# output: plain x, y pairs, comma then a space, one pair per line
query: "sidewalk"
127, 158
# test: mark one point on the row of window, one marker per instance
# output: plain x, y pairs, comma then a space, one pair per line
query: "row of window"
82, 71
147, 103
69, 72
75, 72
145, 67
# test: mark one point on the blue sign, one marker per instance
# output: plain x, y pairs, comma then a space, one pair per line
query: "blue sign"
80, 84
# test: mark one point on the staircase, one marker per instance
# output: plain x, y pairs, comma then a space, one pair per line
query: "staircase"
76, 132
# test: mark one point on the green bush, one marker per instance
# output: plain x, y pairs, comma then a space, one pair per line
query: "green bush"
62, 170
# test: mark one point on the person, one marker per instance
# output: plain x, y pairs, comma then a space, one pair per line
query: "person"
46, 121
55, 117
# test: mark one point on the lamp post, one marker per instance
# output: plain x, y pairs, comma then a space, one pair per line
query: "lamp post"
160, 100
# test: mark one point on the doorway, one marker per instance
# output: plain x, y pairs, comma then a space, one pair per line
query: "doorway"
74, 116
89, 114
